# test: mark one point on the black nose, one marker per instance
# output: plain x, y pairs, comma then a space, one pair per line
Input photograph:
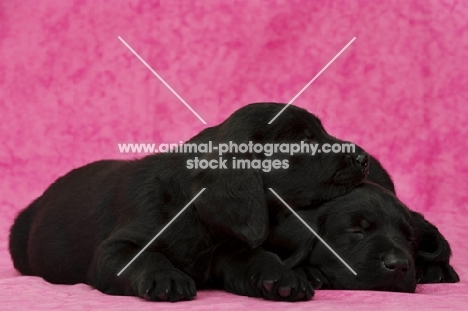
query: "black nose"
396, 263
362, 159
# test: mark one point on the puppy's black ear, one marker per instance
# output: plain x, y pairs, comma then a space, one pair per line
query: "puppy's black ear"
432, 246
378, 175
290, 240
234, 201
432, 253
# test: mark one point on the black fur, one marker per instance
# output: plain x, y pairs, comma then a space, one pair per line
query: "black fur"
89, 223
390, 247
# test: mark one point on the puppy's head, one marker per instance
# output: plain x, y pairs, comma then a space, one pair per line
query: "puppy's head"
389, 247
333, 170
235, 199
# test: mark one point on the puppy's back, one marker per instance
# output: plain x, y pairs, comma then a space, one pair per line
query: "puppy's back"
60, 228
19, 236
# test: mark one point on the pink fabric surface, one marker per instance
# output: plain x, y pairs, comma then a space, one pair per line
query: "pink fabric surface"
70, 91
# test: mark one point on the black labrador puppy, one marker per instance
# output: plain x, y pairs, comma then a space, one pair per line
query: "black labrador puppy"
390, 247
91, 222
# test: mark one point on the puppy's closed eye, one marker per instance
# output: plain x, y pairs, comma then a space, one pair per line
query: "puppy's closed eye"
360, 230
357, 233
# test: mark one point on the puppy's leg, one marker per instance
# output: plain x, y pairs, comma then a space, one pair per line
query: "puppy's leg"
433, 253
436, 273
259, 273
151, 276
313, 275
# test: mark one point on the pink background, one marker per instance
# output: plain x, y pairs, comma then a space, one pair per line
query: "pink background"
70, 91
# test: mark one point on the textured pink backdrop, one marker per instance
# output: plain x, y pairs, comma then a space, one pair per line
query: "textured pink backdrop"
70, 91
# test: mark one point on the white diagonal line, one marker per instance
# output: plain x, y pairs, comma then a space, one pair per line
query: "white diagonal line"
313, 79
160, 232
162, 80
312, 230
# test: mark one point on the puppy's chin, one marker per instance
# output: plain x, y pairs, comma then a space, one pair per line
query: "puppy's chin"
401, 286
371, 281
342, 183
350, 176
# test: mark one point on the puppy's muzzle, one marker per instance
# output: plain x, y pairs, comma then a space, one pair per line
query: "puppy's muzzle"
395, 265
362, 160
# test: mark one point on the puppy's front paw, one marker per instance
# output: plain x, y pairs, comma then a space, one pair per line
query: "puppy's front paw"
313, 275
436, 273
166, 285
284, 285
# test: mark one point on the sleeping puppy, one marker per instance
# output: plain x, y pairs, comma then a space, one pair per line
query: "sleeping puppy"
91, 222
390, 247
425, 273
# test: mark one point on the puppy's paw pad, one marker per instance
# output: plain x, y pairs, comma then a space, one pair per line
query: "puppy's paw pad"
268, 285
167, 285
163, 296
285, 286
284, 291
